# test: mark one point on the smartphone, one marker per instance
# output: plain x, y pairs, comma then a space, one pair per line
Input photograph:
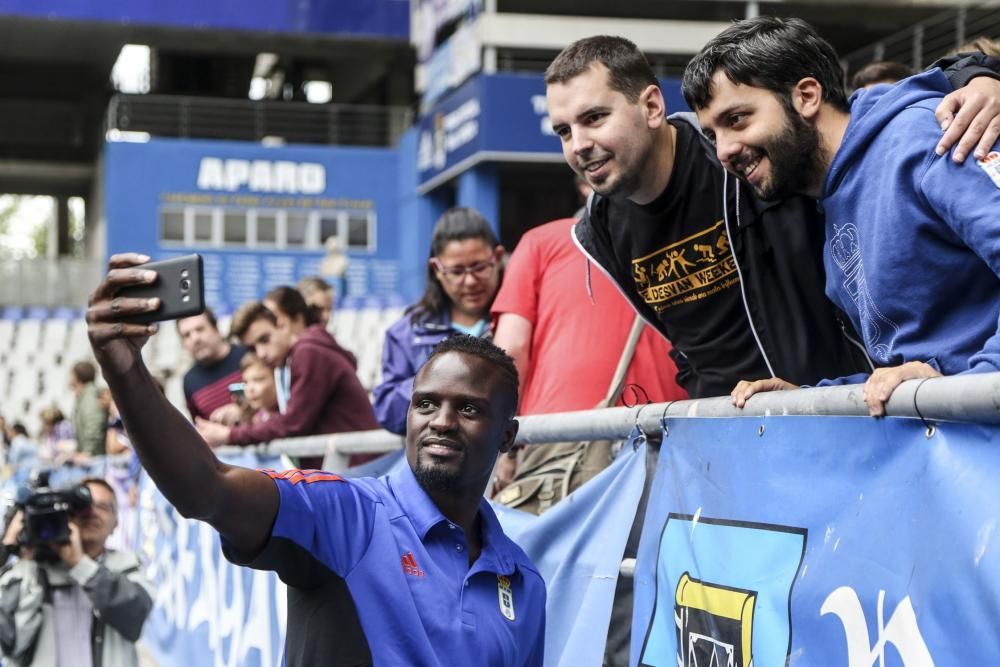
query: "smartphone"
179, 285
237, 390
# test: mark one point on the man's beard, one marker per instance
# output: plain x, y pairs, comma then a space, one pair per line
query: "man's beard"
435, 480
795, 157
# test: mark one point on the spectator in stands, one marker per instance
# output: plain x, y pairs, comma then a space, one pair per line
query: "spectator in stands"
122, 474
333, 267
90, 418
292, 315
22, 453
319, 295
325, 393
463, 275
912, 253
258, 388
216, 365
734, 282
56, 439
338, 543
85, 606
990, 47
882, 71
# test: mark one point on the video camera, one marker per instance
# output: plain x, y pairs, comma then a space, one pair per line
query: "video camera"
47, 511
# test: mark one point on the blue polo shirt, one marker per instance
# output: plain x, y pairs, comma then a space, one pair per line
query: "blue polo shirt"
377, 575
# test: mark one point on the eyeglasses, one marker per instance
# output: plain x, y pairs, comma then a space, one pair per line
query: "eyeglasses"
455, 274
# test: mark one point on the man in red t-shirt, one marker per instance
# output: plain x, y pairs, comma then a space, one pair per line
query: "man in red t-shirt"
566, 344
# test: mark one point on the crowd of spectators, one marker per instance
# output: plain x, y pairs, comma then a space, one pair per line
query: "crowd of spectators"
665, 207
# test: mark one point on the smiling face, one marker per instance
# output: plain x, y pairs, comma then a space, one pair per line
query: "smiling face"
759, 139
469, 273
460, 418
606, 139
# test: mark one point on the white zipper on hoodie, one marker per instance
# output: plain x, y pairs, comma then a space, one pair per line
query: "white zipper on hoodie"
739, 272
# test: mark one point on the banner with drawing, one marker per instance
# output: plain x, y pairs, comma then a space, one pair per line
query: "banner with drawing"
845, 541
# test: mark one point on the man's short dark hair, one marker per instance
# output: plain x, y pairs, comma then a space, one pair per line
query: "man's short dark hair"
770, 53
209, 315
629, 72
881, 71
291, 303
247, 314
84, 372
19, 429
484, 349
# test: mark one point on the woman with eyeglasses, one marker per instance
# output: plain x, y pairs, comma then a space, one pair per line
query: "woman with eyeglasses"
463, 276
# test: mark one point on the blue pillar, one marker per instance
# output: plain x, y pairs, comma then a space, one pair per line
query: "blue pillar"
416, 217
478, 188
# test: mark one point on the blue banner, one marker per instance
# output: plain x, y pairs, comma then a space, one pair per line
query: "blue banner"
577, 546
207, 611
496, 117
820, 541
374, 18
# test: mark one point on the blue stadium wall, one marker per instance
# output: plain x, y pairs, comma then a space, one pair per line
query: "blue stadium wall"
260, 215
370, 18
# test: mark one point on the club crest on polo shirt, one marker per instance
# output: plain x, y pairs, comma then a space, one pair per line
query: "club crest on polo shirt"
506, 596
991, 165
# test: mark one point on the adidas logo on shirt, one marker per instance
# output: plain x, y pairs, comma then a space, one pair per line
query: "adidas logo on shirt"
410, 566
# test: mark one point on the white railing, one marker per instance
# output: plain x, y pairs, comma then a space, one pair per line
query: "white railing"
965, 398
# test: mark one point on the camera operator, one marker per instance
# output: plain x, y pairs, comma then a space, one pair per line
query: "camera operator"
73, 602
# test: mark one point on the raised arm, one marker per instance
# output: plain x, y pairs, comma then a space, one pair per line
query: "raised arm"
240, 503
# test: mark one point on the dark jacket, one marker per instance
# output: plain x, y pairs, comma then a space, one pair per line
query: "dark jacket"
778, 251
326, 395
121, 596
408, 344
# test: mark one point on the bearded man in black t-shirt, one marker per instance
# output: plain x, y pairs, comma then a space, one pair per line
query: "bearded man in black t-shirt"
734, 282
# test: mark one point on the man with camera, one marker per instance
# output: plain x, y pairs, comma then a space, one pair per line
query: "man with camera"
67, 600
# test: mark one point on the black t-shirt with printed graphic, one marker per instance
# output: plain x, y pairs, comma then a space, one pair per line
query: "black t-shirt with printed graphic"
682, 269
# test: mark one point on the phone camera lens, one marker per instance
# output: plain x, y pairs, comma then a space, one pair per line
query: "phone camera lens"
185, 285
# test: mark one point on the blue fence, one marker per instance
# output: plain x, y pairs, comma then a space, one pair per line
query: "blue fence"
799, 540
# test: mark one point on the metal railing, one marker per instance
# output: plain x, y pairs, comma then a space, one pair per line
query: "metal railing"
967, 398
925, 42
249, 120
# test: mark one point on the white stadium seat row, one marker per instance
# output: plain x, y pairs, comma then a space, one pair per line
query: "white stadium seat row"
36, 355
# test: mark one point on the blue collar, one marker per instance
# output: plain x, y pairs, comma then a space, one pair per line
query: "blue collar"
418, 507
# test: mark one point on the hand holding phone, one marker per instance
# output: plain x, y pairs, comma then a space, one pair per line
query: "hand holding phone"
179, 286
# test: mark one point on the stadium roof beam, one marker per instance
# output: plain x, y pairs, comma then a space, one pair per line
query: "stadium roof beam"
540, 31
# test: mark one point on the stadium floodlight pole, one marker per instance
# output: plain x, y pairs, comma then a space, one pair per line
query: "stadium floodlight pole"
960, 398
